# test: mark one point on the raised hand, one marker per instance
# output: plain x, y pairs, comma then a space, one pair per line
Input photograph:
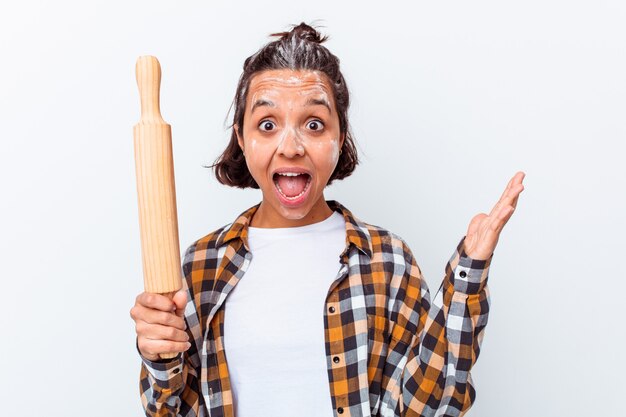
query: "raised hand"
484, 230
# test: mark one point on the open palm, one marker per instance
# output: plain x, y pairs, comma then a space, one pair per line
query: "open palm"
484, 229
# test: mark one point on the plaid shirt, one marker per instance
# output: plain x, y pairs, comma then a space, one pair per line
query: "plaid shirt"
390, 350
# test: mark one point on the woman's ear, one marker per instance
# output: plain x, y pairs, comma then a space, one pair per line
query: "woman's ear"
239, 136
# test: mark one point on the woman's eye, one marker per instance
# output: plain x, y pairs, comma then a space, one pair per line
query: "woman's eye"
266, 125
315, 125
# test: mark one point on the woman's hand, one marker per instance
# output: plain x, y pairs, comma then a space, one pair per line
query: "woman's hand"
159, 324
484, 230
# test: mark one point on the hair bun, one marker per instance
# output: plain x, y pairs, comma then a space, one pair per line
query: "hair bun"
302, 31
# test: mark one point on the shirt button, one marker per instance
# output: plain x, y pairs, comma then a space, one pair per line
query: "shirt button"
463, 274
340, 410
336, 359
331, 309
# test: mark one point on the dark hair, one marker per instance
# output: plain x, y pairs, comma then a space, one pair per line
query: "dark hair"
297, 49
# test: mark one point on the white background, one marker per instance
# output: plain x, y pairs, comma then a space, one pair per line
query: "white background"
450, 99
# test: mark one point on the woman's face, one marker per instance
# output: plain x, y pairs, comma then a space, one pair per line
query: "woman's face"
291, 140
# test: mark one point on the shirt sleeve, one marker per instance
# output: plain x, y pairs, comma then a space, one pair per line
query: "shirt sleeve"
172, 387
436, 378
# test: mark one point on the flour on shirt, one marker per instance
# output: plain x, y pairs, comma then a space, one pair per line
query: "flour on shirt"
273, 321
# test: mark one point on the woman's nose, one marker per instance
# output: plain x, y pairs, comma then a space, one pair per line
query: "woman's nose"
291, 144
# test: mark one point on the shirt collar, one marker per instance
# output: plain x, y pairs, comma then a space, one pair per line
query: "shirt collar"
356, 231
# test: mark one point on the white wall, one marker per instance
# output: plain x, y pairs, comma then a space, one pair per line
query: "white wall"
450, 98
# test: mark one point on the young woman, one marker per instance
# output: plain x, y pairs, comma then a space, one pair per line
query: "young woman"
297, 307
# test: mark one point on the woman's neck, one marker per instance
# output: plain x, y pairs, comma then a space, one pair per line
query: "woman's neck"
267, 216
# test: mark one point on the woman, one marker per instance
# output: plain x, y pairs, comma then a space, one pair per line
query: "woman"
327, 315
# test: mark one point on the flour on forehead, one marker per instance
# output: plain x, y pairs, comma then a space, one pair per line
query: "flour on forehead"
291, 78
270, 88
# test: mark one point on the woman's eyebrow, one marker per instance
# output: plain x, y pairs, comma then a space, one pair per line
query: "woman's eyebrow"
310, 102
317, 102
262, 102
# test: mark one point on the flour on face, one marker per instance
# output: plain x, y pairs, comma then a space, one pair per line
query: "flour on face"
291, 123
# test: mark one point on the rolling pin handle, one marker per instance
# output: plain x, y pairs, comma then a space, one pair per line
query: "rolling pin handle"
148, 73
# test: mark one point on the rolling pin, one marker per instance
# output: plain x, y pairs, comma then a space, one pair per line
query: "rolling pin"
156, 191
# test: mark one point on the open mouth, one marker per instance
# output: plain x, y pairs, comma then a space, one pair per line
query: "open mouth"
292, 185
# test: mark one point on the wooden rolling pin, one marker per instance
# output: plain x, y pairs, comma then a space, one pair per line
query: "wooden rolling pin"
156, 191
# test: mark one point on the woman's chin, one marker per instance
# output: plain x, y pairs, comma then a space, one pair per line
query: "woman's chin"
293, 212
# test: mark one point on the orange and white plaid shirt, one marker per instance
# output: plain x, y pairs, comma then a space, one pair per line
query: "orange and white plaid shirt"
390, 350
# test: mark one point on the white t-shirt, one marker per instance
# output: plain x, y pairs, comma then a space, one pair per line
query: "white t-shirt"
274, 321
